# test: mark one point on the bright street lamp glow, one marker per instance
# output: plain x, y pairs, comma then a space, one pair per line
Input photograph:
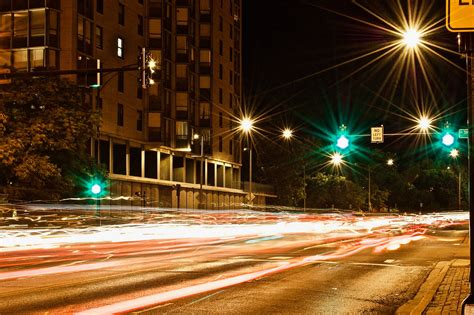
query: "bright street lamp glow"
390, 162
287, 133
411, 38
454, 153
96, 189
342, 142
336, 159
424, 124
448, 139
246, 124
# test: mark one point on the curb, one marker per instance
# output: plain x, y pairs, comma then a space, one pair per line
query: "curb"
424, 296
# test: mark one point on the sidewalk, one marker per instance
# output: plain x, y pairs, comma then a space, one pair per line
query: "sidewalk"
443, 291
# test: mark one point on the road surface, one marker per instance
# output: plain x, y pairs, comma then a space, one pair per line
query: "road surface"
69, 260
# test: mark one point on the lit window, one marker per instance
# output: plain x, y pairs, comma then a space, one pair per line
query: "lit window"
120, 47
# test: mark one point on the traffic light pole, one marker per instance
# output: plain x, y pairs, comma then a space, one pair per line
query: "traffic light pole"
468, 303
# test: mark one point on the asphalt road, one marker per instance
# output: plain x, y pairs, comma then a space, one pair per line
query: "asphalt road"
224, 263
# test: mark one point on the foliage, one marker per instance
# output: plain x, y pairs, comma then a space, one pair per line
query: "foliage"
334, 191
283, 165
45, 126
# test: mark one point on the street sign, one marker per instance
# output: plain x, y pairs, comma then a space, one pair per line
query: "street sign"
376, 134
463, 133
460, 15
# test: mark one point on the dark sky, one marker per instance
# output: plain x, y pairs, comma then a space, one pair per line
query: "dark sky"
286, 40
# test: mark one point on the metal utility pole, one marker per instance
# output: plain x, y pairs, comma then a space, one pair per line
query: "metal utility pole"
250, 174
369, 203
468, 303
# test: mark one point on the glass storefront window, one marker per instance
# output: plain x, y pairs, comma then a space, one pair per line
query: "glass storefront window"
5, 30
53, 27
20, 60
53, 59
5, 60
20, 29
37, 60
37, 27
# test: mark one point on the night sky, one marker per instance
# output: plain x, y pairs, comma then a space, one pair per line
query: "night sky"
286, 40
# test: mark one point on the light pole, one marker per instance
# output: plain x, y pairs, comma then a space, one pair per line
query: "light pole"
455, 154
201, 169
246, 126
390, 162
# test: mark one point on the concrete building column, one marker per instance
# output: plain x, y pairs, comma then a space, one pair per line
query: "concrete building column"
127, 158
158, 163
143, 161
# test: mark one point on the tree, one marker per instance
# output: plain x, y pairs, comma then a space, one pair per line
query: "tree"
283, 166
325, 191
45, 125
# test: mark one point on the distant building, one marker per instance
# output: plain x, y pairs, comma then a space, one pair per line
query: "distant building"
146, 139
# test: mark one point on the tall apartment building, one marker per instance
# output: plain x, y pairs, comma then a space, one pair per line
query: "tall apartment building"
146, 139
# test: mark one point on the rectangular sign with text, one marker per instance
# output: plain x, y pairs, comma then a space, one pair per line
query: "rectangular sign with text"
460, 15
376, 134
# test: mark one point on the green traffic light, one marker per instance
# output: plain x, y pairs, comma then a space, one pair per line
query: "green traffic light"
448, 139
342, 142
96, 189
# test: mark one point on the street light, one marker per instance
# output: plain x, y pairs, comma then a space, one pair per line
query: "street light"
247, 126
287, 134
336, 159
390, 162
424, 124
411, 38
455, 154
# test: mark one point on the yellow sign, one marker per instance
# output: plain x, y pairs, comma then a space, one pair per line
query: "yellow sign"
376, 134
460, 15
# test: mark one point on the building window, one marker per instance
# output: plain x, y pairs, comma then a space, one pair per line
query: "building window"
221, 72
120, 46
120, 115
230, 7
141, 25
99, 37
221, 24
231, 58
139, 120
84, 35
221, 48
231, 31
220, 96
220, 144
231, 77
230, 100
231, 147
120, 81
121, 14
140, 1
139, 90
100, 6
221, 123
205, 111
182, 130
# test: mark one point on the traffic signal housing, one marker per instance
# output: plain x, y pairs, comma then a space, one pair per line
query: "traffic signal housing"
448, 137
342, 140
